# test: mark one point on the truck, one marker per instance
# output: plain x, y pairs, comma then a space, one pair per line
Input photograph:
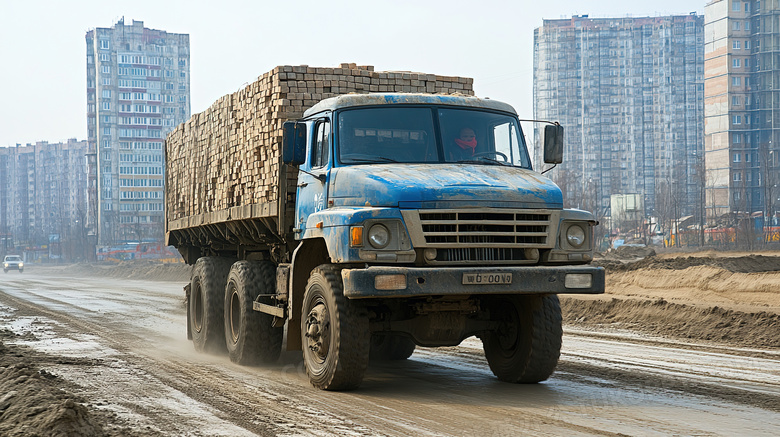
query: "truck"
340, 224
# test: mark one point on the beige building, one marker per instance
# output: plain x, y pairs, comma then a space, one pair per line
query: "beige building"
742, 106
138, 90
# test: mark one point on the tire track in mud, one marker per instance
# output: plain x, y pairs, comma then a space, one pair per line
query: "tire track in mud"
285, 403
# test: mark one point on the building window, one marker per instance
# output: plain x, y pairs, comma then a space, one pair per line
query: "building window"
747, 60
106, 94
736, 45
736, 63
735, 26
736, 81
737, 158
737, 119
736, 6
737, 177
737, 138
106, 69
734, 100
104, 44
747, 25
106, 106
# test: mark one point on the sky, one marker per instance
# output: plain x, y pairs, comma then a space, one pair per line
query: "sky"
43, 49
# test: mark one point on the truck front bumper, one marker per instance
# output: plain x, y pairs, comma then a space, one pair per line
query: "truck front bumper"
381, 281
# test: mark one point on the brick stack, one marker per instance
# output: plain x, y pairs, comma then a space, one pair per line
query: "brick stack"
229, 155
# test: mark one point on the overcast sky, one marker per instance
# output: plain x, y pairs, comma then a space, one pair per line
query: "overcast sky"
43, 51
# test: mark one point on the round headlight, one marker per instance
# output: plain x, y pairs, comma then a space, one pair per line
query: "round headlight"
378, 236
575, 235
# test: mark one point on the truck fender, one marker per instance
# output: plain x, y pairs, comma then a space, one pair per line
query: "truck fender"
306, 257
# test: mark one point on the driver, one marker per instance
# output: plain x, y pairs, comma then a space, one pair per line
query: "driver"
464, 146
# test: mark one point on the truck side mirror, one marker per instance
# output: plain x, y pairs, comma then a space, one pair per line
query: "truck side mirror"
294, 143
553, 144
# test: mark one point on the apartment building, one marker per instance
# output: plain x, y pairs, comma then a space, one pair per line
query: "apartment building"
630, 94
742, 107
138, 89
43, 201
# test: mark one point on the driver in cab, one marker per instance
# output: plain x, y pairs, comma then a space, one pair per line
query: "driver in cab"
464, 147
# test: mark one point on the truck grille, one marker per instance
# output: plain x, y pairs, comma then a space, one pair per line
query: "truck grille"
484, 236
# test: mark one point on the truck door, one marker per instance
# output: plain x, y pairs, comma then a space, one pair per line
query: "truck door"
312, 184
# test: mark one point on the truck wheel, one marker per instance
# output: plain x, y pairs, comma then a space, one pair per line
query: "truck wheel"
526, 346
334, 333
206, 305
390, 347
249, 335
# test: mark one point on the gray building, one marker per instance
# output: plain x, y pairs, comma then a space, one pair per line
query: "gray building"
43, 204
629, 92
138, 89
742, 103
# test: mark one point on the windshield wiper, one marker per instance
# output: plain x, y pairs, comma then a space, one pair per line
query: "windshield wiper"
370, 159
482, 160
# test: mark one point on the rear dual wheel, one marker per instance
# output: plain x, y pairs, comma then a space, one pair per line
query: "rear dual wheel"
251, 339
206, 303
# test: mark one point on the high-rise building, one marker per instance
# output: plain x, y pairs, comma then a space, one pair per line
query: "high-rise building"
629, 92
742, 107
43, 200
138, 89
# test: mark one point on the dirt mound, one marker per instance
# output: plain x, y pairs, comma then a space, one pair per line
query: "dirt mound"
138, 269
665, 319
630, 252
33, 401
742, 264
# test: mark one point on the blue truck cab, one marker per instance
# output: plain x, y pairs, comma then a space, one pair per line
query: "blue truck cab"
420, 221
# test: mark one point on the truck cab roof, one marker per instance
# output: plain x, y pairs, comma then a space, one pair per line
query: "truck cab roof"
354, 100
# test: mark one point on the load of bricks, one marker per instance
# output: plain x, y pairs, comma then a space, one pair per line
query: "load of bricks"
229, 155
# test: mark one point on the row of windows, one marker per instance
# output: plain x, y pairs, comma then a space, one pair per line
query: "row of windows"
140, 108
141, 195
136, 71
124, 182
156, 206
148, 121
140, 133
131, 157
137, 83
140, 145
155, 170
135, 96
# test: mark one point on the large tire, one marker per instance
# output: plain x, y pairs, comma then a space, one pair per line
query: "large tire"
527, 345
334, 333
206, 305
389, 347
250, 338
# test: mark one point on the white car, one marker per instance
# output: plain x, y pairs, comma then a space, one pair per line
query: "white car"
13, 262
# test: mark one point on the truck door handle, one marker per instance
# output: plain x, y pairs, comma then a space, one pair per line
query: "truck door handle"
302, 184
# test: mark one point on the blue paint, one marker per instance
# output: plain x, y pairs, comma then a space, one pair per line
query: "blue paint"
393, 185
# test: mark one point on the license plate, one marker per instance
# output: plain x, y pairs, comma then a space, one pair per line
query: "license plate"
486, 278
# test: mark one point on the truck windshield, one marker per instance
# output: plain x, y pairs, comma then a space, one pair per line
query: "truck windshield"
408, 135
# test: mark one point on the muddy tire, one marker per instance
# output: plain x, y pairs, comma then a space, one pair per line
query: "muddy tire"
526, 347
334, 333
249, 336
206, 303
390, 347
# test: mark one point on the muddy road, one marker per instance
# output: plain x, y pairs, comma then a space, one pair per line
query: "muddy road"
117, 349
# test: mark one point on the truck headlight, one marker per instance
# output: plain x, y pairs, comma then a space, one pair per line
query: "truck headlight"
378, 236
575, 235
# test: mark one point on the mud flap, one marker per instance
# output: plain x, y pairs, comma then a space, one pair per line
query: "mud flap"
187, 305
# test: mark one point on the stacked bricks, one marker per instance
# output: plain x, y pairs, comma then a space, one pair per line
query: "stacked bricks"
229, 155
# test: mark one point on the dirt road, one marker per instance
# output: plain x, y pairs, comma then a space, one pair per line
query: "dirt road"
114, 353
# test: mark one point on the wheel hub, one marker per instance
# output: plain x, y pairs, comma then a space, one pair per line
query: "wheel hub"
318, 331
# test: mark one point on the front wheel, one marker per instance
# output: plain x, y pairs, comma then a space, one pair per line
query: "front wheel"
334, 333
526, 346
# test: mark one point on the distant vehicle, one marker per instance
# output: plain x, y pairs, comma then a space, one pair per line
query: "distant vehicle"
13, 262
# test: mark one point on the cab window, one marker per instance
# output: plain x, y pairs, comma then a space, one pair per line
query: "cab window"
321, 149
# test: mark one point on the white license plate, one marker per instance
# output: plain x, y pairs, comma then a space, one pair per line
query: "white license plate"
486, 278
